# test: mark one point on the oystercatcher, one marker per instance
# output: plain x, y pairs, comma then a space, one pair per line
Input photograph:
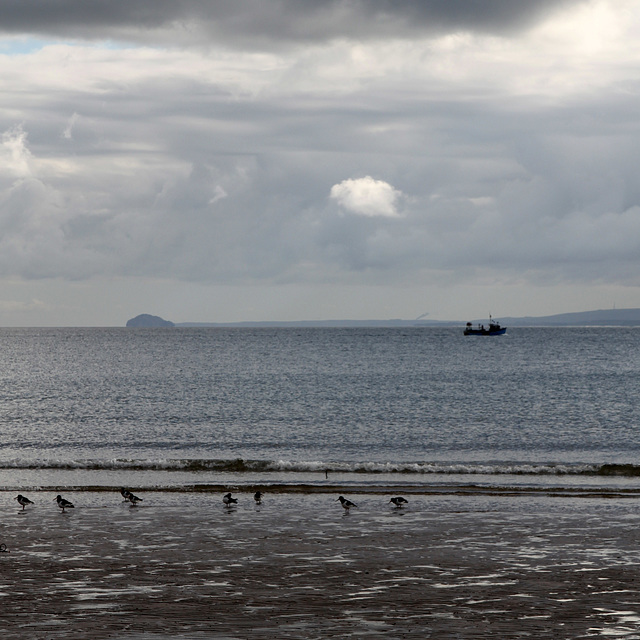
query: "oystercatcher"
63, 504
228, 500
133, 499
399, 501
257, 496
346, 504
23, 501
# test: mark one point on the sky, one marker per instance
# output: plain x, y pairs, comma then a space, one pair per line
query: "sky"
254, 160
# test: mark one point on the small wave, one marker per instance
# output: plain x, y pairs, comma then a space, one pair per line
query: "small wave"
240, 465
119, 464
624, 470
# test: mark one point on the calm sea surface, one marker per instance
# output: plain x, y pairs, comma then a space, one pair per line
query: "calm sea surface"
419, 408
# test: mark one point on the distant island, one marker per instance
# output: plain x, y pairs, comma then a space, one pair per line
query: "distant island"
145, 320
599, 318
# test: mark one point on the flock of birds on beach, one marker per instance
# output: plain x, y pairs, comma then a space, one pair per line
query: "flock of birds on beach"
62, 503
227, 499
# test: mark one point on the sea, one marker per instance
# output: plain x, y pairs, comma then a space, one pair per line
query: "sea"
414, 410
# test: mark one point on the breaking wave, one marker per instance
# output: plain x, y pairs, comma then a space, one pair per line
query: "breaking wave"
239, 465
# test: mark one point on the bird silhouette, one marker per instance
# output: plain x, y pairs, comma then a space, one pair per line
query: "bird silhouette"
346, 504
63, 504
133, 499
228, 500
23, 501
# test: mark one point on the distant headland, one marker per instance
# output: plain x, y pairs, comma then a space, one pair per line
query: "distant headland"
599, 318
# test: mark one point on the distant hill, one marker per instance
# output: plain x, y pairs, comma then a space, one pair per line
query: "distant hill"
144, 320
599, 318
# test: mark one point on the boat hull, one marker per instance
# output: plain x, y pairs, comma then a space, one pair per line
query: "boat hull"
485, 332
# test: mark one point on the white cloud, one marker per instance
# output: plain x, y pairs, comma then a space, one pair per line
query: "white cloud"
367, 197
68, 131
218, 194
14, 154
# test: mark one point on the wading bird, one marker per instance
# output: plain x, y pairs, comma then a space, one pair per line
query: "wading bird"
133, 499
346, 504
23, 501
228, 500
63, 504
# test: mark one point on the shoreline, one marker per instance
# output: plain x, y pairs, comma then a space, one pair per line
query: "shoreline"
460, 490
446, 566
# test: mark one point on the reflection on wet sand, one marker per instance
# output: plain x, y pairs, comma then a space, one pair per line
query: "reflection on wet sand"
189, 567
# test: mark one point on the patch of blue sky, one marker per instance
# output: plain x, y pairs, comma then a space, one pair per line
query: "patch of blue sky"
21, 46
16, 46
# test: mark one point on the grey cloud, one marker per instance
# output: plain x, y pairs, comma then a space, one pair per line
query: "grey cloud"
265, 230
265, 25
519, 195
497, 183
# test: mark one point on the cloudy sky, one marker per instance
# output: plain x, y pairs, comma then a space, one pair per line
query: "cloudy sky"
207, 160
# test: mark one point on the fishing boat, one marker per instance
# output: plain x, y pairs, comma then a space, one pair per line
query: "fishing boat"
494, 329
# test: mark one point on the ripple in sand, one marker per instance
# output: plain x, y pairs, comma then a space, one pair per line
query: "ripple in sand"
474, 583
369, 592
108, 606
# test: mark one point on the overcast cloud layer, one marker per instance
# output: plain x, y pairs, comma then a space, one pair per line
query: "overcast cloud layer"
255, 160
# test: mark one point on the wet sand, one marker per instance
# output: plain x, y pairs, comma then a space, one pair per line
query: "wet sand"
185, 566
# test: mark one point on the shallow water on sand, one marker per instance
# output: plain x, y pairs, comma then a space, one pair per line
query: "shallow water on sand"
301, 566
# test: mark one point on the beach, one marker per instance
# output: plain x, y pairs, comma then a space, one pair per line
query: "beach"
182, 565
